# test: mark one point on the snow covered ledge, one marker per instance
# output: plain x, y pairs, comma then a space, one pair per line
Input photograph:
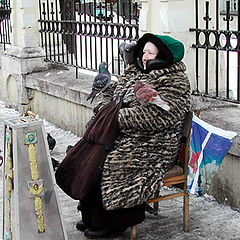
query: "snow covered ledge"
60, 98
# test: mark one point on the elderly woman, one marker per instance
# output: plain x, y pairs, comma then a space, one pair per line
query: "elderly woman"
148, 140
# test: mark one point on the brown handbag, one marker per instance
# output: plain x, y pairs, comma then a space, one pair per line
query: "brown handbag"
80, 172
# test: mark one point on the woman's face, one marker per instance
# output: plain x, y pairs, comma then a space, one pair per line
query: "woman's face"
150, 51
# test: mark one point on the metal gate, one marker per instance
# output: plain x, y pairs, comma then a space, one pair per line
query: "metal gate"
83, 33
217, 49
5, 26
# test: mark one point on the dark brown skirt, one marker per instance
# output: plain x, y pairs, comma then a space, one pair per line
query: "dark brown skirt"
94, 215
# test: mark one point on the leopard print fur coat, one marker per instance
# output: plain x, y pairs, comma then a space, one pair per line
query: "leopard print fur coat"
149, 138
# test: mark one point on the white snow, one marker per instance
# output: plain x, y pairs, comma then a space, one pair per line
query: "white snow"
208, 219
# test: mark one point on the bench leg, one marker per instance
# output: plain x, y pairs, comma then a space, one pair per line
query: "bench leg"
133, 232
155, 205
186, 213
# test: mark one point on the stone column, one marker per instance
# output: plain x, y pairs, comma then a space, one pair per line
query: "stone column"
25, 23
23, 56
143, 17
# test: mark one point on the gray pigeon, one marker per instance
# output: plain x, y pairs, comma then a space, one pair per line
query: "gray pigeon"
126, 52
101, 81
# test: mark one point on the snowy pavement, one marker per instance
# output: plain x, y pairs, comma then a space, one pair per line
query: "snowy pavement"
208, 219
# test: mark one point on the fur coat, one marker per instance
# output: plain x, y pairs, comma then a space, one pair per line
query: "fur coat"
149, 138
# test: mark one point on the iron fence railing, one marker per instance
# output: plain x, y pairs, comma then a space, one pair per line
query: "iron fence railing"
218, 53
83, 33
5, 26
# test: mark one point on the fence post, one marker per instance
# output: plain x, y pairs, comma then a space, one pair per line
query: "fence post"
23, 56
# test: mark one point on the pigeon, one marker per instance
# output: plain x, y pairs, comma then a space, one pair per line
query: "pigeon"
55, 164
126, 52
146, 94
101, 81
69, 148
51, 141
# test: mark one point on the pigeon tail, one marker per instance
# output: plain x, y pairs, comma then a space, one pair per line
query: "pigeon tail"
92, 96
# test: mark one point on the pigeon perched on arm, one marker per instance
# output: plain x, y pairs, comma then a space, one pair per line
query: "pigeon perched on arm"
146, 94
101, 81
126, 52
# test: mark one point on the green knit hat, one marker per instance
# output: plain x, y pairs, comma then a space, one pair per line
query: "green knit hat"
170, 51
175, 46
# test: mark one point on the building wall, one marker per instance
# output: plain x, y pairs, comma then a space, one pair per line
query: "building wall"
225, 185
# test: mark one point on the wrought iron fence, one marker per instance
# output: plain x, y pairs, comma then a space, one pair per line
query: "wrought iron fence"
83, 33
217, 52
5, 26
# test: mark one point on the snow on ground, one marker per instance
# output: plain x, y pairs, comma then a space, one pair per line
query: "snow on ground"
208, 219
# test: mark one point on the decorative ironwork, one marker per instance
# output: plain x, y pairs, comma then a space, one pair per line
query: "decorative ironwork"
84, 33
35, 189
215, 39
5, 25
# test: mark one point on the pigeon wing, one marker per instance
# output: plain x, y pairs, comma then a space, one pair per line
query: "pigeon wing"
160, 103
100, 83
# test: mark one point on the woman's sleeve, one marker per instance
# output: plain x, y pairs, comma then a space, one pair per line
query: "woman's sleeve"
176, 92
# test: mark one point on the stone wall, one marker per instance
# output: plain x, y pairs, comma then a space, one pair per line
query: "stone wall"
225, 185
60, 98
